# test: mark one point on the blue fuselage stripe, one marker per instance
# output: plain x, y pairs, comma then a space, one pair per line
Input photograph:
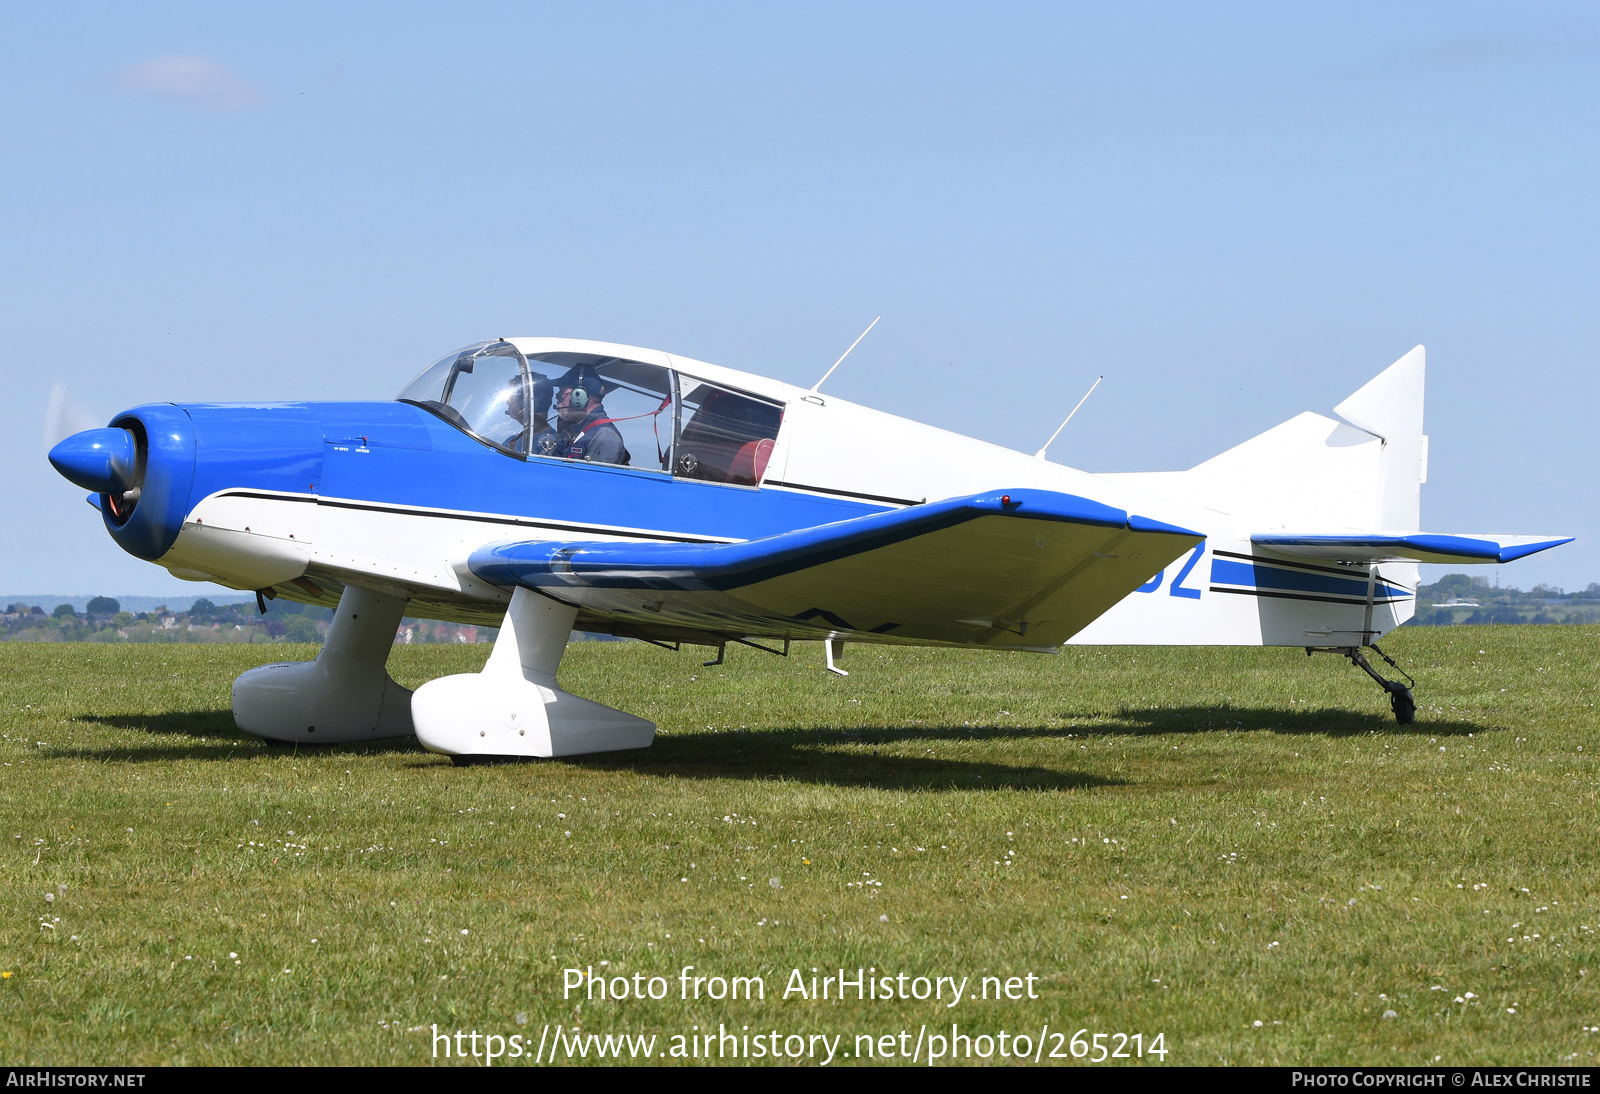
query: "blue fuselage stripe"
1249, 575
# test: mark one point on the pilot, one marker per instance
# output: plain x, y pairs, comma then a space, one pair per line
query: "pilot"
585, 433
517, 411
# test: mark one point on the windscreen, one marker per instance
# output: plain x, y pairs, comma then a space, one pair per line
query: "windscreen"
483, 390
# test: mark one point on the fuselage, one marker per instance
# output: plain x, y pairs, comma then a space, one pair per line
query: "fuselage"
305, 498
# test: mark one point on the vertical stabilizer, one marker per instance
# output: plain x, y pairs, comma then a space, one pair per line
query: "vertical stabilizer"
1390, 407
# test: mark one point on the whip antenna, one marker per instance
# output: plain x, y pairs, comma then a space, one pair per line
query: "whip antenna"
1039, 455
846, 353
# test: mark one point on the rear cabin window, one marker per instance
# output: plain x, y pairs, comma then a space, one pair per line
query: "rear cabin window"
724, 436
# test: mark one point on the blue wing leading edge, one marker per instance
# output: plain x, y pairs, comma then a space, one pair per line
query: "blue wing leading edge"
1020, 568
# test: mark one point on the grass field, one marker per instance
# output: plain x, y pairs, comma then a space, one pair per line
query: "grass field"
1236, 849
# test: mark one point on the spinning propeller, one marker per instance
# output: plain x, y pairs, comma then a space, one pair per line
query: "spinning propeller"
64, 416
102, 461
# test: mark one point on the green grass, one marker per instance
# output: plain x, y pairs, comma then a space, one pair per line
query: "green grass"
1281, 853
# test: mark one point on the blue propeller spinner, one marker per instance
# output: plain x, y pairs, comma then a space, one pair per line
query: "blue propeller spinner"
102, 461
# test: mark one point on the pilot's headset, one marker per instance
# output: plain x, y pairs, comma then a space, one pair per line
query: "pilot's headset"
582, 383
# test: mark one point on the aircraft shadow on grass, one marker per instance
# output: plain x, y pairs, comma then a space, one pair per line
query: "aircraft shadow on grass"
211, 735
802, 755
814, 755
1310, 721
872, 759
857, 756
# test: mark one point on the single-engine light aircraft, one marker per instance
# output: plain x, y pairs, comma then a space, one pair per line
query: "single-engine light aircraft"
550, 484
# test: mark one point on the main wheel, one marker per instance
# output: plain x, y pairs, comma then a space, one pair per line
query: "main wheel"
1403, 705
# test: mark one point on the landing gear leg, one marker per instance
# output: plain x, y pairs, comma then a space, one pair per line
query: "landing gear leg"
1401, 700
344, 695
514, 707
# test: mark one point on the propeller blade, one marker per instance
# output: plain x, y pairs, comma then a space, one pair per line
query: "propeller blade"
64, 416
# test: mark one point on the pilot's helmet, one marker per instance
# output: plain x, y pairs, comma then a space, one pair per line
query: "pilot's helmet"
584, 384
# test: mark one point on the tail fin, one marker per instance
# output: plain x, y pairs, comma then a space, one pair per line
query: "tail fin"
1362, 474
1389, 407
1333, 546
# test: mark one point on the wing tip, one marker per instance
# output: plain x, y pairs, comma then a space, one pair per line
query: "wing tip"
1523, 550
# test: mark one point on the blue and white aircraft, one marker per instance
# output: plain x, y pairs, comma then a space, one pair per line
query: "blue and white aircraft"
551, 484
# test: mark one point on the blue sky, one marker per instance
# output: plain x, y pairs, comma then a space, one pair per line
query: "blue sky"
1234, 212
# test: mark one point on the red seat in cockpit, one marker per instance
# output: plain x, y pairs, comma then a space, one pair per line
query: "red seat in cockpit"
750, 462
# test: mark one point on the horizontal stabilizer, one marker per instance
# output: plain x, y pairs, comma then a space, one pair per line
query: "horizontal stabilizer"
1410, 547
1022, 568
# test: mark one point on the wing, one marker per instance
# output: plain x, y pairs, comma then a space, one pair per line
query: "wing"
1412, 547
1025, 568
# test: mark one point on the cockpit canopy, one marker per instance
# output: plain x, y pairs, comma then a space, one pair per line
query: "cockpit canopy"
478, 390
642, 416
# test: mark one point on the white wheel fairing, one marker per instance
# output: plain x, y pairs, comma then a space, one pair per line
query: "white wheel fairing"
513, 707
345, 695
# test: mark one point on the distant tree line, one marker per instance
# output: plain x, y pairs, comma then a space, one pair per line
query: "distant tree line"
1464, 599
103, 620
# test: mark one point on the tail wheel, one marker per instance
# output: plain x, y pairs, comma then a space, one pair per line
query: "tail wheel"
1403, 705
